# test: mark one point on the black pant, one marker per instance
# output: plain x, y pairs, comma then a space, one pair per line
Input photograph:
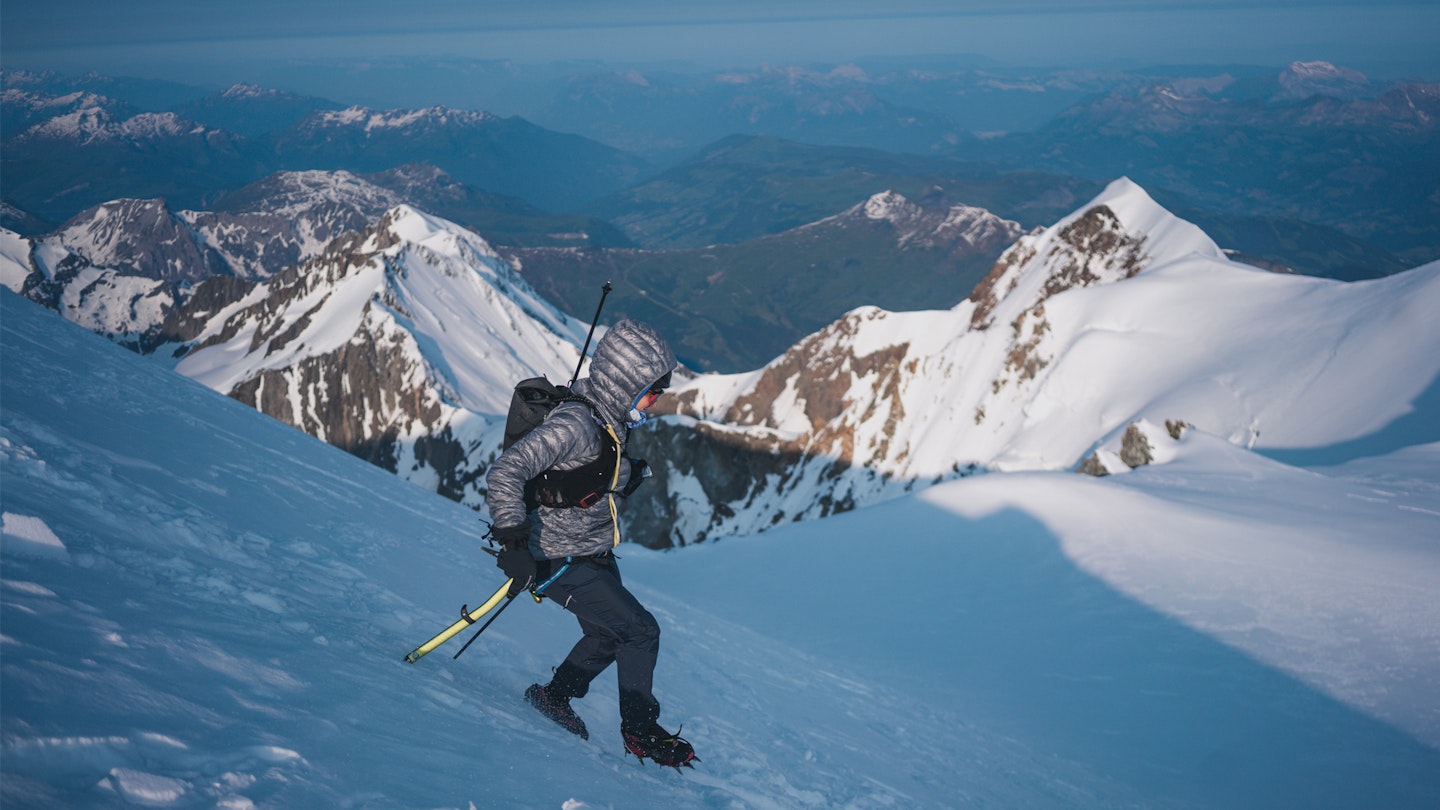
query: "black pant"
618, 629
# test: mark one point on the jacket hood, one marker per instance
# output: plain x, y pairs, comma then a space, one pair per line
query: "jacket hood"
628, 359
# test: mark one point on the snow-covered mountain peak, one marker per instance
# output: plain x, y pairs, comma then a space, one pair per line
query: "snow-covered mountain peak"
1322, 71
918, 225
83, 124
244, 90
406, 225
136, 238
416, 320
100, 234
1115, 236
295, 193
415, 317
96, 123
889, 205
1168, 237
1305, 79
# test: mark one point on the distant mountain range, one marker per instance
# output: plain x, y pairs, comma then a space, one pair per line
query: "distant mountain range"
1315, 143
141, 95
82, 149
1312, 143
1315, 167
252, 111
745, 187
509, 156
669, 115
728, 306
122, 267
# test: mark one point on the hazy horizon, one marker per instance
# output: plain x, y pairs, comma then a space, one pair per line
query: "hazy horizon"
346, 48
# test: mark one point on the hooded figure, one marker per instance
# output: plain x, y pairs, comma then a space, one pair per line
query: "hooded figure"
565, 552
628, 361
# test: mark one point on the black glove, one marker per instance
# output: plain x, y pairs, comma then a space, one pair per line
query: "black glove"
639, 471
514, 557
519, 566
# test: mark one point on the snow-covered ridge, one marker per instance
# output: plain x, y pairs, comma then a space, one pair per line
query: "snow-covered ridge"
95, 123
243, 90
370, 120
917, 225
85, 124
1319, 70
1117, 313
123, 306
81, 99
1302, 79
291, 194
275, 223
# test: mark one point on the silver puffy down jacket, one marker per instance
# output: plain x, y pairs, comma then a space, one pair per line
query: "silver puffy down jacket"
627, 361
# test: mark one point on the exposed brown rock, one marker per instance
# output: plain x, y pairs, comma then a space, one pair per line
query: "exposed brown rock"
1135, 449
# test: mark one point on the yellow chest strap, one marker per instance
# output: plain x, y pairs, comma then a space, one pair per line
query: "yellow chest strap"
614, 482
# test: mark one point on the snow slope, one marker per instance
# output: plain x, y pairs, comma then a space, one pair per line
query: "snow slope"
202, 607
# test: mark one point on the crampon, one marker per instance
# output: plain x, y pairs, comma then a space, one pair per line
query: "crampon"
557, 709
659, 745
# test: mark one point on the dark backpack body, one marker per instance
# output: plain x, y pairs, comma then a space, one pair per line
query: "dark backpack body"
581, 487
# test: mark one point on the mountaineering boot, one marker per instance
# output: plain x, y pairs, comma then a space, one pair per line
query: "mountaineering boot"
660, 745
557, 709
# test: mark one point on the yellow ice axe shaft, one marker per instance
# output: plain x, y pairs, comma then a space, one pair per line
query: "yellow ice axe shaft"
466, 619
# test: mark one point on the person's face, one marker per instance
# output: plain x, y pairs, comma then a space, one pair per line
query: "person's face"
649, 398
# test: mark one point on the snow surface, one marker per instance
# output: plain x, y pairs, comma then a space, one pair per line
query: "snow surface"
223, 620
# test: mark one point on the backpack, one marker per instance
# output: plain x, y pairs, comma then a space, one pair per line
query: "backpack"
530, 404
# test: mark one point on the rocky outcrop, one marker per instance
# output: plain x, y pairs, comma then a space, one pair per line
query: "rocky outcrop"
1140, 444
1094, 248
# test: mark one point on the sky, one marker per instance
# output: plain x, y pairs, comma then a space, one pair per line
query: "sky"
212, 42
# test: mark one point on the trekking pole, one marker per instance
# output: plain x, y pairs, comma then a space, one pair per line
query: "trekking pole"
604, 291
